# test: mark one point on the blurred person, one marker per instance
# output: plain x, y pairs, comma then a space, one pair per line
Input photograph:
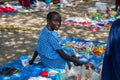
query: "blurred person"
111, 62
117, 4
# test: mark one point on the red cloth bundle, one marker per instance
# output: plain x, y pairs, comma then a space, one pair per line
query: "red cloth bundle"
1, 10
8, 9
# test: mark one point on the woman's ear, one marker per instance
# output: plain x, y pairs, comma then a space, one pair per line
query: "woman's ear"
48, 21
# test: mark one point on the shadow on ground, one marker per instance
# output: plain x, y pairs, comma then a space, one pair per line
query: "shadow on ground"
15, 42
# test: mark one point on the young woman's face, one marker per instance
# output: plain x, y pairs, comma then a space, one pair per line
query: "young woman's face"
55, 23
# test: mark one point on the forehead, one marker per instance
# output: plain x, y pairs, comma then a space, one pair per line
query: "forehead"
56, 18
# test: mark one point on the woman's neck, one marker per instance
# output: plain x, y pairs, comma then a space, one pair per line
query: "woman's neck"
49, 28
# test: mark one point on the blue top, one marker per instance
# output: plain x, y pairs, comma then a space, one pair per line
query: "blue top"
47, 45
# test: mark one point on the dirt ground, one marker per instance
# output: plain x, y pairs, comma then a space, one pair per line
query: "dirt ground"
17, 42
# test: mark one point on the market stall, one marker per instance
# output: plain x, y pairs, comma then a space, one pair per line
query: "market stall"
86, 51
98, 18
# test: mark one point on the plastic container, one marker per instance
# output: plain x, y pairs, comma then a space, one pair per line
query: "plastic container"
24, 60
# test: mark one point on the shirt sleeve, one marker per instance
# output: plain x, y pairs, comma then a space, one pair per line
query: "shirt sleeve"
54, 42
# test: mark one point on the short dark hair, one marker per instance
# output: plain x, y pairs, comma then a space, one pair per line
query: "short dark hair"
52, 15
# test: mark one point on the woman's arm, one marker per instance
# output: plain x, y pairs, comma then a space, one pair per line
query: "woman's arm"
33, 58
70, 58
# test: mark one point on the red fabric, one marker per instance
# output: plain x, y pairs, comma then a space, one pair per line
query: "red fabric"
118, 2
108, 11
57, 1
1, 10
25, 3
8, 9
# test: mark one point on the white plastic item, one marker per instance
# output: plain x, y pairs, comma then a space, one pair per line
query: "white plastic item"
90, 10
95, 0
39, 78
37, 3
24, 60
37, 59
40, 4
101, 6
64, 2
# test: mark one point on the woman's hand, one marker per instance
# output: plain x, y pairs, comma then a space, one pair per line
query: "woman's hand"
31, 62
33, 58
89, 65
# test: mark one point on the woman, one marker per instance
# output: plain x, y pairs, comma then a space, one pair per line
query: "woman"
48, 47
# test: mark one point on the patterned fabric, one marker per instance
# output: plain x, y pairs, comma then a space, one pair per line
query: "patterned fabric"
118, 2
47, 45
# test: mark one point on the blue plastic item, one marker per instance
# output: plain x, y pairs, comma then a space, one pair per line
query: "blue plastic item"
47, 1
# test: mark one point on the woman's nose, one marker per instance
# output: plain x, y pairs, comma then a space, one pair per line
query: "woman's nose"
58, 23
